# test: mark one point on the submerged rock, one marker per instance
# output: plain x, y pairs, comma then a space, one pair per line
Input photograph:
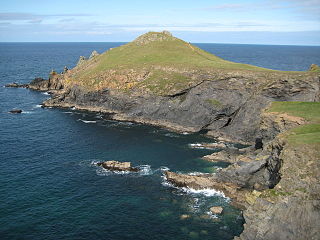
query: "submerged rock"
118, 166
216, 210
15, 111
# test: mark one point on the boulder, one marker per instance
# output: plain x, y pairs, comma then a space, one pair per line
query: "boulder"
216, 210
15, 111
184, 216
118, 166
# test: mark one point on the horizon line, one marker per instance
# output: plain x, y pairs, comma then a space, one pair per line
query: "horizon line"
264, 44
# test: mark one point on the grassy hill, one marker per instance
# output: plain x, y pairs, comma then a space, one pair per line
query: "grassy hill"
154, 62
154, 56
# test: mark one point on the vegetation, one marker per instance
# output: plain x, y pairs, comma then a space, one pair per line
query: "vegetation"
214, 102
305, 134
168, 59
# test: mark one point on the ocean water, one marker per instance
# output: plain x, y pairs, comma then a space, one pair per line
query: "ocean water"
50, 186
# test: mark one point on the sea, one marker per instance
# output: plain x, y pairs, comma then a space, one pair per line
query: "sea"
51, 186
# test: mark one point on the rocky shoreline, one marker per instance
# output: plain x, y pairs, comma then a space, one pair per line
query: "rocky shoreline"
277, 185
253, 171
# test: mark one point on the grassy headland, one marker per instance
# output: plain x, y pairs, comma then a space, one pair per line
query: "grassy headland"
310, 111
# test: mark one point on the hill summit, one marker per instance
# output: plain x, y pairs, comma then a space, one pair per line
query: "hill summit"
155, 62
154, 37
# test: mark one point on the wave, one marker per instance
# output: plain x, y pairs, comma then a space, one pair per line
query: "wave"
27, 112
207, 192
144, 170
86, 121
38, 106
173, 135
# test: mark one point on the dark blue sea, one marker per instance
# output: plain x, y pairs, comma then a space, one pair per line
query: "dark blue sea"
50, 186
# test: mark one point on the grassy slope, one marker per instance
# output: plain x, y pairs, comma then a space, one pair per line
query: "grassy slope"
168, 53
306, 134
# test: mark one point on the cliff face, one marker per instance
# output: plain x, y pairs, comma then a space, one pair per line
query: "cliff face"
229, 105
291, 210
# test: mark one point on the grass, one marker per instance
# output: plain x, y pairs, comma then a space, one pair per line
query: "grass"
166, 54
307, 110
214, 102
305, 134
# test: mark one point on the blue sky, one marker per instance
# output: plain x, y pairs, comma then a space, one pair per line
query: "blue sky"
243, 21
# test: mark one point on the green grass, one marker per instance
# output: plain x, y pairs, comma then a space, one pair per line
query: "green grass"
305, 134
307, 110
170, 53
214, 102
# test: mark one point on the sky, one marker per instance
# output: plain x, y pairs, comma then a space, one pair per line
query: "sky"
288, 22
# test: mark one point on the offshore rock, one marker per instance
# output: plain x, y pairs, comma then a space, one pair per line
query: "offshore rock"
16, 85
208, 181
216, 210
118, 166
15, 111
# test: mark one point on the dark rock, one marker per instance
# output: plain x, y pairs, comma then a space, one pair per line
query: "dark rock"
65, 69
258, 144
118, 166
16, 85
15, 111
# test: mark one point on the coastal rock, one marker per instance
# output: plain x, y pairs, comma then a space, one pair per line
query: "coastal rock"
314, 68
216, 210
15, 111
118, 166
94, 54
208, 181
184, 216
208, 145
81, 60
16, 85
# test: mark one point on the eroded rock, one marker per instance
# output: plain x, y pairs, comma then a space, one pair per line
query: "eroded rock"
15, 111
118, 166
216, 210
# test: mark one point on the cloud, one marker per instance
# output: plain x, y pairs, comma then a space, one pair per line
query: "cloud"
67, 20
39, 20
34, 18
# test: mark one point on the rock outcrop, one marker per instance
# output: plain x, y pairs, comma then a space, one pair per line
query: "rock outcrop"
94, 54
216, 210
16, 85
15, 111
118, 166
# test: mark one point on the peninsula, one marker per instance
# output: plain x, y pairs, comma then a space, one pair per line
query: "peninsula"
161, 80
